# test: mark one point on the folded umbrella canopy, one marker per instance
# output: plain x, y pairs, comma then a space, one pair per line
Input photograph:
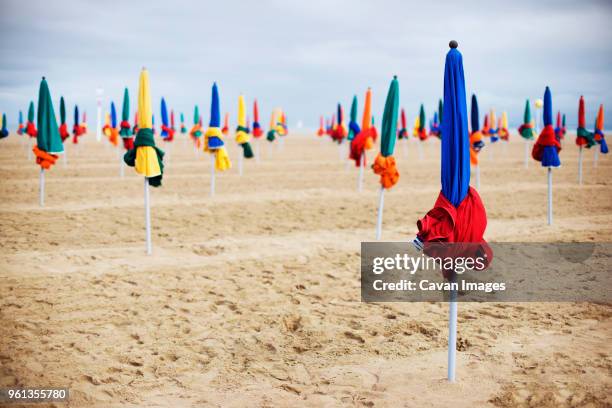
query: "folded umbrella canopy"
584, 138
125, 130
271, 135
114, 129
434, 126
563, 128
340, 132
599, 127
476, 142
84, 123
48, 141
504, 134
20, 127
493, 130
145, 157
183, 127
106, 129
328, 126
403, 132
526, 129
63, 129
384, 164
257, 130
30, 127
421, 130
167, 133
546, 148
196, 130
458, 214
559, 129
77, 129
282, 130
242, 132
321, 130
213, 138
353, 127
225, 128
364, 140
486, 128
172, 120
3, 130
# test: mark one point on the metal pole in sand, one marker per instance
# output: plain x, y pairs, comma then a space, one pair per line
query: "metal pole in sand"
381, 204
240, 159
550, 204
42, 187
212, 175
452, 331
580, 165
596, 156
257, 151
526, 153
477, 176
147, 215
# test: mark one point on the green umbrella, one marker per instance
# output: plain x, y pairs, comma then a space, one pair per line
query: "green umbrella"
422, 118
62, 110
389, 121
384, 165
353, 126
125, 130
440, 110
48, 138
196, 115
526, 129
31, 112
4, 131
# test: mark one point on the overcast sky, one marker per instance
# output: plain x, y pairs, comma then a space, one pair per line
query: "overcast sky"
305, 55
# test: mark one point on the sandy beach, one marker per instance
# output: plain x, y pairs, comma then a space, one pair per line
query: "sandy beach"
251, 298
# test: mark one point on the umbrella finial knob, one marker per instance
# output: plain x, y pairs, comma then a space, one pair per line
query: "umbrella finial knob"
453, 44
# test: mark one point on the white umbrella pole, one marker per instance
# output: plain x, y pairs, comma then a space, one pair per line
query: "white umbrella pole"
420, 151
550, 204
477, 177
30, 147
381, 205
596, 156
42, 187
257, 151
147, 215
65, 157
526, 153
452, 332
212, 175
580, 165
121, 167
360, 179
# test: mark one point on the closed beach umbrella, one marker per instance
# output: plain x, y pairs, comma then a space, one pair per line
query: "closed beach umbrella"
384, 164
353, 127
3, 129
30, 126
504, 133
20, 126
196, 130
599, 128
257, 130
242, 132
421, 130
145, 157
48, 141
403, 132
546, 149
167, 133
63, 129
125, 129
458, 214
213, 138
114, 129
